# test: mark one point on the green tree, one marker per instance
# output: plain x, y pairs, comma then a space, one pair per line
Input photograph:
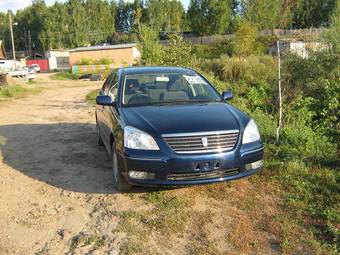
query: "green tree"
151, 49
125, 15
332, 36
313, 13
4, 30
164, 15
55, 28
266, 14
209, 16
31, 18
177, 53
77, 26
244, 43
101, 24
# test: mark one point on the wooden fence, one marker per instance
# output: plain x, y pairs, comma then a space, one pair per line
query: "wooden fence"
284, 33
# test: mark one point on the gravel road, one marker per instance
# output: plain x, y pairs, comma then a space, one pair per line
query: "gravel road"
56, 193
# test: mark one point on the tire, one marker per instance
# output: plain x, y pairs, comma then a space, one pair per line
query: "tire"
118, 179
100, 141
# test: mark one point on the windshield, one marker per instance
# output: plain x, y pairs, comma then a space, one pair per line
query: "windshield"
165, 88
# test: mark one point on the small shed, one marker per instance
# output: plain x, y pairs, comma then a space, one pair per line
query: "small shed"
2, 51
58, 59
120, 54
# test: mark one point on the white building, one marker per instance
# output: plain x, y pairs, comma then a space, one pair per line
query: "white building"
300, 48
58, 59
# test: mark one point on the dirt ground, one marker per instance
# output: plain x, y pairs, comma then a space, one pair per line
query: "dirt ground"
56, 193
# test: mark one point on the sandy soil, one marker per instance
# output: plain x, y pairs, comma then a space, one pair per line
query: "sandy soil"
56, 193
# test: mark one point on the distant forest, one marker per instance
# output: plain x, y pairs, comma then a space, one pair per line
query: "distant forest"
90, 22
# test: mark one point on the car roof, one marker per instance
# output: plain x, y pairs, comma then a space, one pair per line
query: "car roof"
156, 69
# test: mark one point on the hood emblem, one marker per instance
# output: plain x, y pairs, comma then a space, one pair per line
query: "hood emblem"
204, 141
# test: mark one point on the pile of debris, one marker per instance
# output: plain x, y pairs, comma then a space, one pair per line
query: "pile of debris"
3, 79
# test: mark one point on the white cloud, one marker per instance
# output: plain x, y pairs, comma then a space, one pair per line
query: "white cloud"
14, 5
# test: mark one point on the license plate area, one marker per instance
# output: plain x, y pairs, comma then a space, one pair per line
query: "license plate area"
205, 166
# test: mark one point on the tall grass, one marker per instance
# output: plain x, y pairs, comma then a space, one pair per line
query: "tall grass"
250, 69
91, 97
14, 91
65, 75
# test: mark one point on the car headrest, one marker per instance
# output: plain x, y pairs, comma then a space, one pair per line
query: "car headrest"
131, 86
160, 85
132, 83
174, 95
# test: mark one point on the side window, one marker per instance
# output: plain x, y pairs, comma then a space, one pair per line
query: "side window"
106, 84
113, 90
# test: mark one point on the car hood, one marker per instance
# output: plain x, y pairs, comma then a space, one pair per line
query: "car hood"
158, 120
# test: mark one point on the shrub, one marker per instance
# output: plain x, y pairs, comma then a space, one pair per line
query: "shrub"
266, 124
299, 140
151, 49
244, 43
177, 53
216, 50
317, 78
103, 61
84, 61
251, 69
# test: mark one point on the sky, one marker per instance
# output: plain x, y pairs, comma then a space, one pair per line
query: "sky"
14, 5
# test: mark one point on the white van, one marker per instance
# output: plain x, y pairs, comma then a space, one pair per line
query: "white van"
9, 65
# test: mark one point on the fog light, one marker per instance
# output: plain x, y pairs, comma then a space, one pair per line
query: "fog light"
257, 164
140, 175
254, 165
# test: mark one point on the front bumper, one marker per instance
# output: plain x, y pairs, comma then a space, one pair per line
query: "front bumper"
191, 169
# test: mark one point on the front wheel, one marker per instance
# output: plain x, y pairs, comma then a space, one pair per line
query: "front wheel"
118, 180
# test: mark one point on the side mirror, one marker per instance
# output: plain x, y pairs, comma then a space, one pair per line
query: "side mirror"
227, 95
104, 100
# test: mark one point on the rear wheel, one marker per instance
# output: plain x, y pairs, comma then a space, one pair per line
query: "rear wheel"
100, 141
118, 180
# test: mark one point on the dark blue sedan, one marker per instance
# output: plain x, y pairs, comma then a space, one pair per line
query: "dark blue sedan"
168, 126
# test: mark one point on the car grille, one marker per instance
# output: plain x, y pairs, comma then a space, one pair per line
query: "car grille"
202, 142
202, 175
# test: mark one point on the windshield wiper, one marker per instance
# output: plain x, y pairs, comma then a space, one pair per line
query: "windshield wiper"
180, 102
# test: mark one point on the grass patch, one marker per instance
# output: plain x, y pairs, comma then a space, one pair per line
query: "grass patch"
91, 97
64, 76
83, 240
15, 91
136, 232
168, 215
312, 200
199, 241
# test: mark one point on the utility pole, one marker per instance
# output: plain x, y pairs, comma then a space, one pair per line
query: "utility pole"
29, 43
280, 92
12, 37
25, 40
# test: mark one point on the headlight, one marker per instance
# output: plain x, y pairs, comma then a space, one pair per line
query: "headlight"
251, 133
137, 139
